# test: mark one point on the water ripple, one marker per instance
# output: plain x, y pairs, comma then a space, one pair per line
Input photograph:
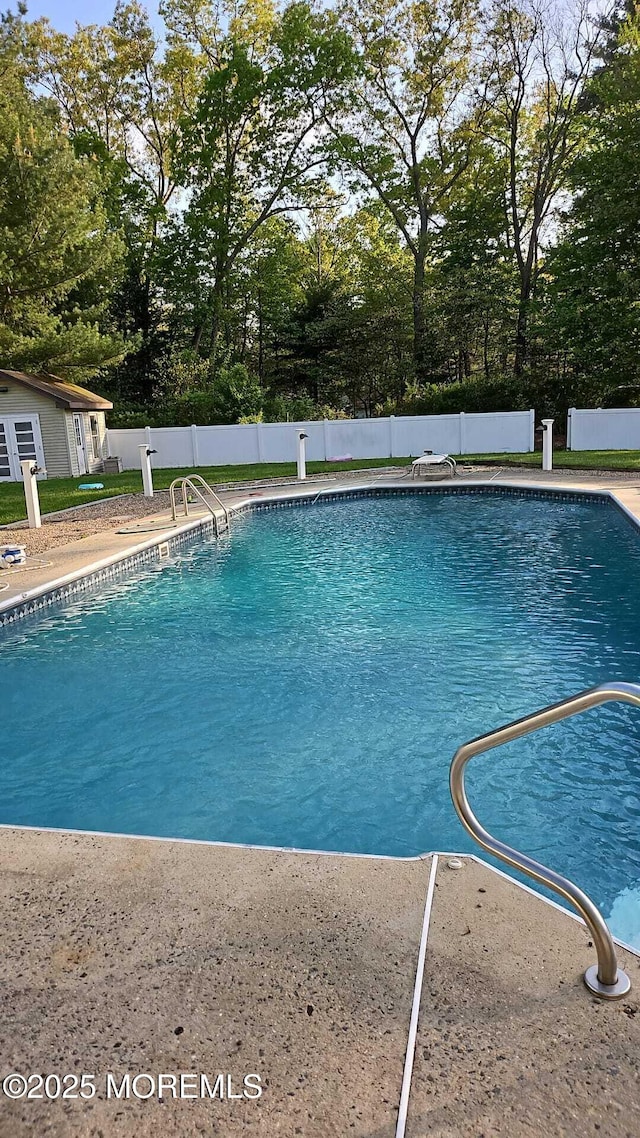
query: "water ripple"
307, 683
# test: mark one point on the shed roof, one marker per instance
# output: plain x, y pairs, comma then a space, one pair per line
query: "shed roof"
67, 395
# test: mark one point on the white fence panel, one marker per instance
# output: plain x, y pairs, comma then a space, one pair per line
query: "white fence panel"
509, 432
227, 446
615, 428
417, 433
395, 437
173, 446
125, 444
279, 441
359, 438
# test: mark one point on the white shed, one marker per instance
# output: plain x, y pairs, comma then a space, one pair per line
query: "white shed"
59, 425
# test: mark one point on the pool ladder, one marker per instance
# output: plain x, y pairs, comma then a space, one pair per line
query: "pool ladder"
201, 491
605, 979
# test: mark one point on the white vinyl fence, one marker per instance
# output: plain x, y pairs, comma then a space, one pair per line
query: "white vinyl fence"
395, 437
610, 429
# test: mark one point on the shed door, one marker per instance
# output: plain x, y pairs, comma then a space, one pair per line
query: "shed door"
20, 438
78, 427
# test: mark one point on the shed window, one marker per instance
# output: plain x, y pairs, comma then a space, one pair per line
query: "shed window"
95, 436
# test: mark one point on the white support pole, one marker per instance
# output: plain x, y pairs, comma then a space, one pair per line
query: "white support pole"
194, 445
31, 492
145, 466
532, 430
302, 459
547, 444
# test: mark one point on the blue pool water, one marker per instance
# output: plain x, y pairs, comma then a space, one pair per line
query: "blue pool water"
307, 682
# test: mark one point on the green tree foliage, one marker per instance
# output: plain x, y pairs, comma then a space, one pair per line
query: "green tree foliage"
120, 98
286, 209
534, 67
252, 148
349, 341
476, 278
409, 130
55, 248
594, 295
229, 395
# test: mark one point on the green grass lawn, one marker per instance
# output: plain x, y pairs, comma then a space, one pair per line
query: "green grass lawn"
59, 493
567, 459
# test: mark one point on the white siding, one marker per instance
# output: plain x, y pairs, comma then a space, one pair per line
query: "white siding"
21, 400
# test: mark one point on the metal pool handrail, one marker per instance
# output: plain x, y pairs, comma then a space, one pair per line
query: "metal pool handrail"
189, 483
604, 979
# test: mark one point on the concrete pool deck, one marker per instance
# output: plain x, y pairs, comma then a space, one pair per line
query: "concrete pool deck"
121, 955
128, 956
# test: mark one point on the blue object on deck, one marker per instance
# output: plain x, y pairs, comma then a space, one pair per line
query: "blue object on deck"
91, 486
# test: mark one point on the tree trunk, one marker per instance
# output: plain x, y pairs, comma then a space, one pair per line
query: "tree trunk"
216, 303
419, 327
260, 339
526, 289
216, 320
521, 335
245, 328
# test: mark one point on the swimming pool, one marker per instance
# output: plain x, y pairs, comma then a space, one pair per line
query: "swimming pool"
307, 682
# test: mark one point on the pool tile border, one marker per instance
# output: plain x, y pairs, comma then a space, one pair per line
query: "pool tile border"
92, 577
469, 489
88, 581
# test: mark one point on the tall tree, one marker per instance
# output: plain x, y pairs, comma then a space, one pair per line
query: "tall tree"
268, 284
409, 134
349, 342
121, 95
537, 58
252, 149
595, 292
476, 285
54, 234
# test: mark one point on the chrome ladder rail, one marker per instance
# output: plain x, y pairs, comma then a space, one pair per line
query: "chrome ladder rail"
188, 483
604, 979
210, 490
